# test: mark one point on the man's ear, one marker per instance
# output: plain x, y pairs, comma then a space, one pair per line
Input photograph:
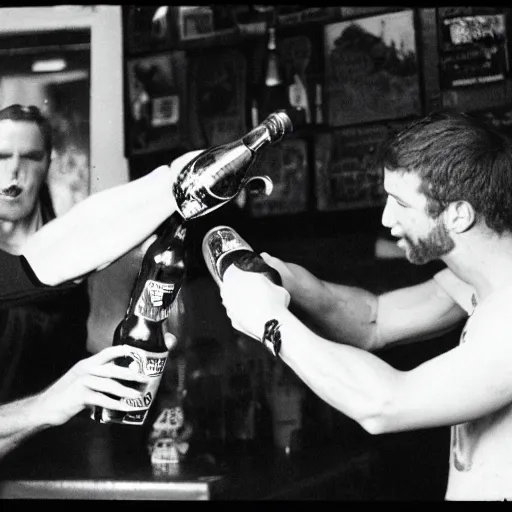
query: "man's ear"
459, 216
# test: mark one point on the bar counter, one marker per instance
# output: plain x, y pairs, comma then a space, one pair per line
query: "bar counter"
86, 460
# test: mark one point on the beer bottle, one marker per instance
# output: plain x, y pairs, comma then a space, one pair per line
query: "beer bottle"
274, 92
157, 284
223, 246
249, 415
218, 174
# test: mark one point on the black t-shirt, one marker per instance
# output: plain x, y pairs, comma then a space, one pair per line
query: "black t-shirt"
43, 329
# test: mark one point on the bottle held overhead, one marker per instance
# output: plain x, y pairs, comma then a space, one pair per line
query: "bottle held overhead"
156, 286
218, 174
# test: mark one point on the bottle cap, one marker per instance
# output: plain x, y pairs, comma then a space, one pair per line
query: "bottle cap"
217, 243
278, 123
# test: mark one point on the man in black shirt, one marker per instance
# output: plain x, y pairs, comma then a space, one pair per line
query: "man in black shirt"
43, 299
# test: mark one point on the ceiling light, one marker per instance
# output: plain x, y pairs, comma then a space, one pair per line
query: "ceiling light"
48, 65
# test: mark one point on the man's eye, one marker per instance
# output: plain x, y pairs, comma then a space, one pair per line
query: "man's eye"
400, 203
36, 157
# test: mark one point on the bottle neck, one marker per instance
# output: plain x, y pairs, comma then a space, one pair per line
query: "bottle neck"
139, 316
172, 229
140, 332
155, 301
258, 138
271, 130
161, 273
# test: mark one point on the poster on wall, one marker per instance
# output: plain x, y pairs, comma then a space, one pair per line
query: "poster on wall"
156, 109
499, 118
346, 172
472, 50
301, 60
287, 165
148, 28
295, 14
371, 69
69, 113
217, 93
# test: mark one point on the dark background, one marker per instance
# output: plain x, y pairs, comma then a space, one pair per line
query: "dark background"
337, 245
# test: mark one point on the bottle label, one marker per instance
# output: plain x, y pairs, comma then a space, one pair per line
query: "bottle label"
155, 301
151, 364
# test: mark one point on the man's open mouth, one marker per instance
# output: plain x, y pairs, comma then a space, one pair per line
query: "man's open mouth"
11, 191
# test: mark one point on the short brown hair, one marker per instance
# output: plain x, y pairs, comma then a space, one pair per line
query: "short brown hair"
30, 113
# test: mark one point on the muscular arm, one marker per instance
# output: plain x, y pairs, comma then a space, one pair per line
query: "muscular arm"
357, 317
103, 227
462, 384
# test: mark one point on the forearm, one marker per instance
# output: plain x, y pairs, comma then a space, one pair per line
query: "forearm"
340, 313
351, 380
18, 421
101, 228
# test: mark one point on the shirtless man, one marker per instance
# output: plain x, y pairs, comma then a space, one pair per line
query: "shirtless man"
448, 181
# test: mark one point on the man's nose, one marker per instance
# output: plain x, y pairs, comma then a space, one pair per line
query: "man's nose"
388, 219
13, 165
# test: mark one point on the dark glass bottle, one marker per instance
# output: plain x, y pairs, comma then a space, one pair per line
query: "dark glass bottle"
248, 411
287, 403
157, 284
223, 246
218, 174
273, 94
240, 406
205, 383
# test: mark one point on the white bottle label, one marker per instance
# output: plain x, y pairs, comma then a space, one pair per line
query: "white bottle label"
155, 301
151, 364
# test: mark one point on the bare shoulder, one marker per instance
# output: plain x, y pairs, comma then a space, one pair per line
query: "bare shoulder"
492, 319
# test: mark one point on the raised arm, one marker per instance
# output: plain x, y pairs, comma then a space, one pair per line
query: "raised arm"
464, 383
104, 226
357, 317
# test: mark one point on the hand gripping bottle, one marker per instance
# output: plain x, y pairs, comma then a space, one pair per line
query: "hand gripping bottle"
218, 174
157, 284
223, 246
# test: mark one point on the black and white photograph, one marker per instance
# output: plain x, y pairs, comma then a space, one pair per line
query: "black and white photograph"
255, 253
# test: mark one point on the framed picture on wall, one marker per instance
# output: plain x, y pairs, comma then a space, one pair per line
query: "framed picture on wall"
217, 110
301, 61
499, 118
287, 165
371, 69
346, 172
148, 28
294, 14
472, 49
156, 109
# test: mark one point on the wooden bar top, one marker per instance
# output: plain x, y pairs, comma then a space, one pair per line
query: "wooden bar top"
87, 460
